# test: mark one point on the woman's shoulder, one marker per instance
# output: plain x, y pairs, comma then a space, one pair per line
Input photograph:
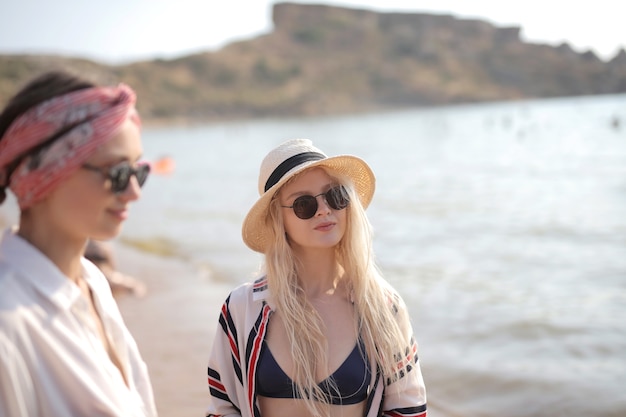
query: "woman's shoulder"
388, 290
250, 291
246, 301
394, 300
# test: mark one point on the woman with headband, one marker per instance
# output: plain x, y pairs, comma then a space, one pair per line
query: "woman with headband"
69, 152
320, 333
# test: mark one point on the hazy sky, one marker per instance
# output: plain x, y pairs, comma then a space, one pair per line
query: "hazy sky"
116, 31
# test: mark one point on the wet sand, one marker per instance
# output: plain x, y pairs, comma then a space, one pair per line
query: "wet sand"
173, 325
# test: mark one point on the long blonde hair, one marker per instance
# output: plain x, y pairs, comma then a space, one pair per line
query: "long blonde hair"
376, 322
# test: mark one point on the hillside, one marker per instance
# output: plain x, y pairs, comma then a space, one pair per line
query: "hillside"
327, 60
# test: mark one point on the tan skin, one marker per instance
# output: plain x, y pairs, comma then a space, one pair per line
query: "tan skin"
82, 207
313, 241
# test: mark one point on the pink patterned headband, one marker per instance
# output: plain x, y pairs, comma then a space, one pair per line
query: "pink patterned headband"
83, 120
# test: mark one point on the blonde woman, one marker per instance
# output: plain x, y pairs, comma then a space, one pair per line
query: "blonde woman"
320, 333
69, 152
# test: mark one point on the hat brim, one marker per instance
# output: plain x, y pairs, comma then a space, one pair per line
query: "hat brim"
255, 230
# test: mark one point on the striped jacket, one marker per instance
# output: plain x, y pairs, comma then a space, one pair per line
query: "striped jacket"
237, 345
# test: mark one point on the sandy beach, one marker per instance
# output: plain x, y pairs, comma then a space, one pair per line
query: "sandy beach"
173, 326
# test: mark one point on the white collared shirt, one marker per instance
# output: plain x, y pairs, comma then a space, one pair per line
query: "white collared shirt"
52, 359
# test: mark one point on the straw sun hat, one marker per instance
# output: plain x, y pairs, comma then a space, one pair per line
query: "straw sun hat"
287, 160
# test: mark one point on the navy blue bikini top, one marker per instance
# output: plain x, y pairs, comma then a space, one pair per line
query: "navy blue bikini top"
351, 379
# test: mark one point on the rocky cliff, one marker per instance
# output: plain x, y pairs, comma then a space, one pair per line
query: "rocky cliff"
322, 59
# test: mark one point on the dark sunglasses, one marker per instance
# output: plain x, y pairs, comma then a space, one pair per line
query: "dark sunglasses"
306, 206
120, 174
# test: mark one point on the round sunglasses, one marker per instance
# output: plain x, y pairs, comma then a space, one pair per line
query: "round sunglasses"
120, 174
305, 206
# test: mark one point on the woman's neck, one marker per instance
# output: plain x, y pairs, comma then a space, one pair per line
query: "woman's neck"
319, 273
63, 251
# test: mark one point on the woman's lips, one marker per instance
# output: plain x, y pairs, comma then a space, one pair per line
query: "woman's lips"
120, 214
325, 226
